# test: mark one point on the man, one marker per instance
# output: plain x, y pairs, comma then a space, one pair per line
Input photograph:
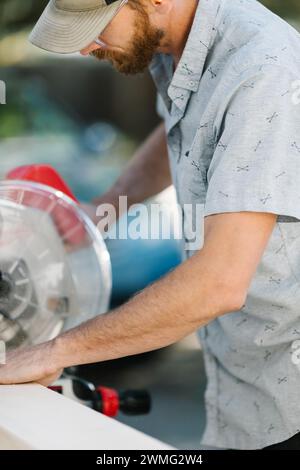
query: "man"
227, 74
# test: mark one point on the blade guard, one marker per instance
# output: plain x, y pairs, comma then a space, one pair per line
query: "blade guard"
64, 217
43, 174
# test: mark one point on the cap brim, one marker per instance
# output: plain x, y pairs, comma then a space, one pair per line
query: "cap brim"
66, 32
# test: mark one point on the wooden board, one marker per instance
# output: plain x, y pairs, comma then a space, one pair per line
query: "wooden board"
33, 417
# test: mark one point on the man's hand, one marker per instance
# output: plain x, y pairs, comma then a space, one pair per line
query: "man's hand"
34, 364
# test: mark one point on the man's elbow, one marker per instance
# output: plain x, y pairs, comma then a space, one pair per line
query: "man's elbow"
213, 303
223, 299
232, 299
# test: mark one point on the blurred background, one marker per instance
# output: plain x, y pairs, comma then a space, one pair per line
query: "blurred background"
87, 120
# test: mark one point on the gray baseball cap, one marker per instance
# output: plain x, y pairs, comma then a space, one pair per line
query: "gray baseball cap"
67, 26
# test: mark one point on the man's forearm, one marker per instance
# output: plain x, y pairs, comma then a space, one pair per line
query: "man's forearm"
147, 173
186, 299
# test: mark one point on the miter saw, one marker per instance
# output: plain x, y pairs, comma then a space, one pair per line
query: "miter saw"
54, 266
55, 272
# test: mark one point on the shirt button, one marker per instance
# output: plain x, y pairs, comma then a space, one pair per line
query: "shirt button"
192, 83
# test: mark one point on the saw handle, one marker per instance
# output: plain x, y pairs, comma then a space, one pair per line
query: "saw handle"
43, 174
65, 217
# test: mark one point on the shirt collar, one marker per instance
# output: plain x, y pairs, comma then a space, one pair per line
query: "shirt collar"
190, 68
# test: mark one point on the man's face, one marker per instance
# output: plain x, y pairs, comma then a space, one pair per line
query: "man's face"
130, 49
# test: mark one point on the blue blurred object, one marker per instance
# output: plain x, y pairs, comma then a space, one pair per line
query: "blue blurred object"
137, 263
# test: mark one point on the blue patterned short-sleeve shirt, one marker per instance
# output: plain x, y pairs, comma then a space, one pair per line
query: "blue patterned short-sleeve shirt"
232, 115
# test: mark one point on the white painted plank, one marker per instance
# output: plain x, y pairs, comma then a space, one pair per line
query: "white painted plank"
33, 417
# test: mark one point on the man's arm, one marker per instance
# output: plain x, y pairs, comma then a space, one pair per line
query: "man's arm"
213, 282
147, 174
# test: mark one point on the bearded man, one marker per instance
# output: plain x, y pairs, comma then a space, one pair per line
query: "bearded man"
227, 74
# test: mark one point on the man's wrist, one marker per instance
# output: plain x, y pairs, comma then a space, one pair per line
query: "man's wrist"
59, 353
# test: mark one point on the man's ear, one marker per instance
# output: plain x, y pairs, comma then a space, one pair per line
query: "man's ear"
91, 48
162, 7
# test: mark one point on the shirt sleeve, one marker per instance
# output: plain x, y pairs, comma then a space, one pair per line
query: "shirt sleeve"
256, 161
